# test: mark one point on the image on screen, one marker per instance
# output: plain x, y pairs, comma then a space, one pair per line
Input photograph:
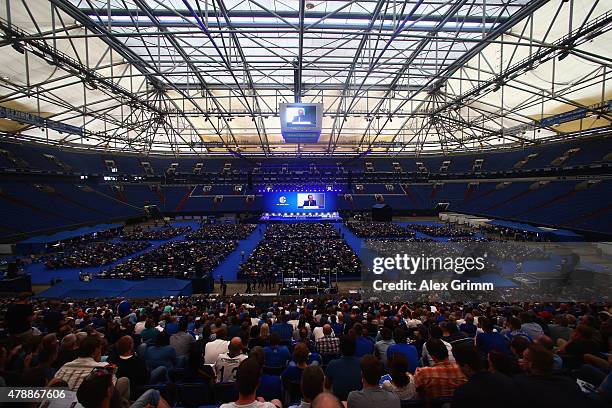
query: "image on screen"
301, 116
311, 201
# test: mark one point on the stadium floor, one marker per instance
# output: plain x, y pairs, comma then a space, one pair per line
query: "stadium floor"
228, 268
110, 288
42, 276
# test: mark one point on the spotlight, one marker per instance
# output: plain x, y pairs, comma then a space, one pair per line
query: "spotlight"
18, 47
563, 54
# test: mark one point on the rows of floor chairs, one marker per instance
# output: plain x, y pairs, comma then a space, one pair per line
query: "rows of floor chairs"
203, 395
187, 394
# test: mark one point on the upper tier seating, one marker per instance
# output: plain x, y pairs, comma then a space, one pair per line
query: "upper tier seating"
591, 150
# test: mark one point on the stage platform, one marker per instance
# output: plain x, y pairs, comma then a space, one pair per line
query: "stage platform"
301, 217
37, 244
108, 288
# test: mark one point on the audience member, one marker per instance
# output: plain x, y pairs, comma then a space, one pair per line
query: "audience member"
311, 385
161, 354
539, 385
277, 355
443, 378
381, 346
371, 395
182, 341
400, 381
489, 340
97, 391
482, 386
343, 374
329, 343
408, 350
89, 357
216, 347
227, 363
247, 377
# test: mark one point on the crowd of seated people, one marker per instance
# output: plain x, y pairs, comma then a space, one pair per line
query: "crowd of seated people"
516, 234
365, 229
182, 260
300, 249
310, 352
440, 230
212, 232
94, 254
77, 242
153, 233
301, 230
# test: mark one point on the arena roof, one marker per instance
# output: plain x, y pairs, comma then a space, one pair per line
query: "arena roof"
395, 77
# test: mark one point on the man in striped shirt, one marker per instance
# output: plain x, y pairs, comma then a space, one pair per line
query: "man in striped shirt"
74, 372
443, 378
90, 353
328, 344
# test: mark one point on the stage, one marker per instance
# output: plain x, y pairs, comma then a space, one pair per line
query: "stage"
109, 288
301, 217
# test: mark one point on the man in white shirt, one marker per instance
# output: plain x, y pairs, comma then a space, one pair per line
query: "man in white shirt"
436, 333
247, 377
140, 325
227, 363
216, 347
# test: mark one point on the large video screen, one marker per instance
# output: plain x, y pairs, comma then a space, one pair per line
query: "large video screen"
301, 116
311, 201
281, 202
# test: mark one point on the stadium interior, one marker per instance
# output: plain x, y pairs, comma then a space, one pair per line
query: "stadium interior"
218, 203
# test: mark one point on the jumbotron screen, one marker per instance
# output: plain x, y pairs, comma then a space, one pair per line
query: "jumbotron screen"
301, 116
281, 202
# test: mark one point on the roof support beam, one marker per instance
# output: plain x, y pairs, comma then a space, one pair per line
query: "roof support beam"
299, 62
413, 55
437, 80
108, 37
585, 33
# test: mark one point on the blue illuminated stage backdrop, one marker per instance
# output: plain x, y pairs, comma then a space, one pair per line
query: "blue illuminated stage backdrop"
302, 201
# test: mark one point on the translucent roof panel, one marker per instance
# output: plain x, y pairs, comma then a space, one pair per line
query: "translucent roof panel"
395, 77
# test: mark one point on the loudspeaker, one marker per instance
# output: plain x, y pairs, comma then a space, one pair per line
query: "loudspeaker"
382, 212
151, 211
11, 270
202, 285
442, 206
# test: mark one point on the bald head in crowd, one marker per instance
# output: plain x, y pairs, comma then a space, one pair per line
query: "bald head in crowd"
235, 346
326, 400
69, 342
327, 330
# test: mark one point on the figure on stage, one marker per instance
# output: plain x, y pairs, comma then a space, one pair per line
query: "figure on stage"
311, 202
300, 116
